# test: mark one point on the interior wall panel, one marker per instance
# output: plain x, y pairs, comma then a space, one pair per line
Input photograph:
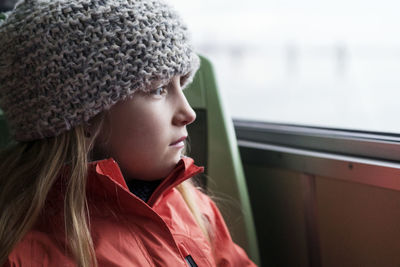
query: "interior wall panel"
278, 208
359, 225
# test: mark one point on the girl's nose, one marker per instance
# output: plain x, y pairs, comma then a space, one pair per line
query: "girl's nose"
184, 113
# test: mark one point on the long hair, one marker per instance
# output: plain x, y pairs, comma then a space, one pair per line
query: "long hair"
186, 190
28, 170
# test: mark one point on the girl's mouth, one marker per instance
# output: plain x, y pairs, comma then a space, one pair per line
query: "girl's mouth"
179, 142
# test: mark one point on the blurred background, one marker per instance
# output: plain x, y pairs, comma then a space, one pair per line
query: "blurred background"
332, 63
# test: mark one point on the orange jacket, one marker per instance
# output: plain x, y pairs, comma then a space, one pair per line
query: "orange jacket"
129, 232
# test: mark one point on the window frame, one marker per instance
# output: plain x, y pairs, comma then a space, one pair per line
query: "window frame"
363, 157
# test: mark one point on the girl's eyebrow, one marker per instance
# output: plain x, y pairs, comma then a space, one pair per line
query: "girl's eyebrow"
158, 83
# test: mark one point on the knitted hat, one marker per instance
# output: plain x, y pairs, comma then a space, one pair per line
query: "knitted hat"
64, 61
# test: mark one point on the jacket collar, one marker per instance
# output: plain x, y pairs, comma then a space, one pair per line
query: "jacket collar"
103, 172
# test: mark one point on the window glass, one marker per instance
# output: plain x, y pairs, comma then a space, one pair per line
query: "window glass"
333, 63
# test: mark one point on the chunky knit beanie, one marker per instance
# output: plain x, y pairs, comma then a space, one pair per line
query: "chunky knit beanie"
64, 61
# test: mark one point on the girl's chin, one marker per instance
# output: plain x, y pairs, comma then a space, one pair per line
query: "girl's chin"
173, 164
156, 171
164, 171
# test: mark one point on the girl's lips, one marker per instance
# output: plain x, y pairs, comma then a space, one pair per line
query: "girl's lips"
179, 142
178, 145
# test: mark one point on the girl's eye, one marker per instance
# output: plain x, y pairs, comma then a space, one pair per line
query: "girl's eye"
183, 79
159, 91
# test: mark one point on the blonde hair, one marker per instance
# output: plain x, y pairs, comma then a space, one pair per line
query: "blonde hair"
28, 170
186, 189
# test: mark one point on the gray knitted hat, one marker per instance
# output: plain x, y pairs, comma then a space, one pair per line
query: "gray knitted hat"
64, 61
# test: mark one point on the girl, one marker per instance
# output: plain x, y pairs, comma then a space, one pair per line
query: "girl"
92, 91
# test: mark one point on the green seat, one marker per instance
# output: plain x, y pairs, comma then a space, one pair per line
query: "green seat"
213, 144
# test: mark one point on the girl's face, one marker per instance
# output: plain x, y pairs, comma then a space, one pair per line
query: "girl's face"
146, 133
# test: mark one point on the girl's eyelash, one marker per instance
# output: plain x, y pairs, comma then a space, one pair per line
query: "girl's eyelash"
183, 79
161, 90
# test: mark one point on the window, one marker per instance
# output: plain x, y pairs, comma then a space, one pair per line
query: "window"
329, 63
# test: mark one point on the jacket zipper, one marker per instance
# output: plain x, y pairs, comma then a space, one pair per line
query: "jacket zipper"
189, 260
